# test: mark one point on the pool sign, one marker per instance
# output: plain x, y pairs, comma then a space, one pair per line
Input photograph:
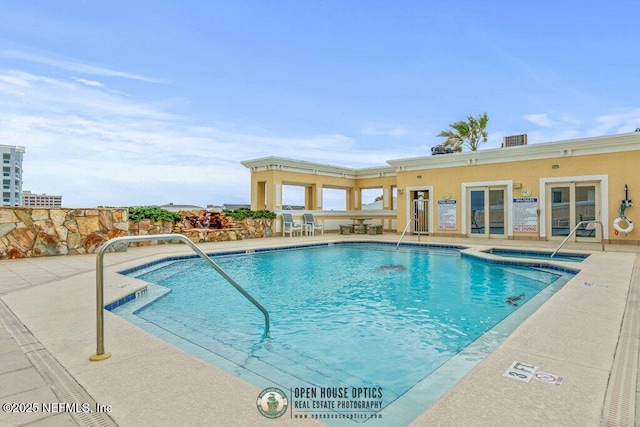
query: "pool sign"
521, 371
447, 215
548, 378
524, 372
525, 215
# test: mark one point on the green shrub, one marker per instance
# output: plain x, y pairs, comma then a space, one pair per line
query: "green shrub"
243, 213
153, 212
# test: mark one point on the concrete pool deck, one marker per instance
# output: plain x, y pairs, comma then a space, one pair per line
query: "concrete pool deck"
48, 309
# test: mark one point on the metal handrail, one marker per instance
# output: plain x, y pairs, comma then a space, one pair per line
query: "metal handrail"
100, 353
574, 230
405, 231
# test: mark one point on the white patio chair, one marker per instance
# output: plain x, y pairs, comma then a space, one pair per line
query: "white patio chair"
311, 225
290, 226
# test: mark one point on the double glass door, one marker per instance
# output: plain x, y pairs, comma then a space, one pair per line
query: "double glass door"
487, 212
569, 204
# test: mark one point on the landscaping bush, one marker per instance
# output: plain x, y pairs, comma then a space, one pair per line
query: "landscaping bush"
243, 213
139, 213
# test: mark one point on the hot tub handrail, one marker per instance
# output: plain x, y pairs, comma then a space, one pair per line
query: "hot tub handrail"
591, 221
100, 353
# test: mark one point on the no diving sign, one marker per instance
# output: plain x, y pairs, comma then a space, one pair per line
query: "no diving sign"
548, 378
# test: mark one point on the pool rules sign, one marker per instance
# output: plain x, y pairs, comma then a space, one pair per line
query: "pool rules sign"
525, 215
447, 215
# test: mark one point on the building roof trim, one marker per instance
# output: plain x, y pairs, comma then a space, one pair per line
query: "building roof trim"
312, 168
537, 151
546, 150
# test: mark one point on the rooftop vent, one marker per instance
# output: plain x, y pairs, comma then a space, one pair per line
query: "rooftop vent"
514, 140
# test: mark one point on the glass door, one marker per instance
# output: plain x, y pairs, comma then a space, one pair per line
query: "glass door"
569, 204
560, 210
497, 214
476, 215
585, 208
487, 216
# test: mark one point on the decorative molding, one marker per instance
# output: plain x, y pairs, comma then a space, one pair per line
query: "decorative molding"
546, 150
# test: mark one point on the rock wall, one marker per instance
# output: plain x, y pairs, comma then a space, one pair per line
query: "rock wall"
34, 232
150, 227
248, 228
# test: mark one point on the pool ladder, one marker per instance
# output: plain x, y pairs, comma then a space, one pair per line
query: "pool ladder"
576, 228
100, 353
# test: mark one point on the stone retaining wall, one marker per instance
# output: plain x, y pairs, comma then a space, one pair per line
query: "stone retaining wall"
248, 228
34, 232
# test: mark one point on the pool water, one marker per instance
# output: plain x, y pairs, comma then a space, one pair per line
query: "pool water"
350, 315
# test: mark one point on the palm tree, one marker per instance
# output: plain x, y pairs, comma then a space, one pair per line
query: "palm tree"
471, 133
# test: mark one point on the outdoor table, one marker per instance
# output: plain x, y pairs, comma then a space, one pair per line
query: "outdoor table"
360, 227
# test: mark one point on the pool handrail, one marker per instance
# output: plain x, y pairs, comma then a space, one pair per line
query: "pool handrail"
591, 221
405, 231
100, 353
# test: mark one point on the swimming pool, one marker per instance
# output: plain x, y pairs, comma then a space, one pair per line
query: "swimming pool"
348, 316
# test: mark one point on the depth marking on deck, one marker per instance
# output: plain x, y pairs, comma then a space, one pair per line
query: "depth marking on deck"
594, 285
524, 372
520, 371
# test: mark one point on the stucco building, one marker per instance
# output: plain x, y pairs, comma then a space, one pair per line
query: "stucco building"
528, 192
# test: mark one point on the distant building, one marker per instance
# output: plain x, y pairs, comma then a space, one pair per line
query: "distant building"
232, 207
378, 205
30, 200
11, 175
177, 208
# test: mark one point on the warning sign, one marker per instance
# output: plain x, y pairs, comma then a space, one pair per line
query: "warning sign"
548, 378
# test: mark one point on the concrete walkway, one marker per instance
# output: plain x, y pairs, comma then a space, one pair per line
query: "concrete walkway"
47, 310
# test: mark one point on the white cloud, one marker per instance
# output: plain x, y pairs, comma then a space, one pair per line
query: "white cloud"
89, 82
96, 147
74, 65
620, 121
539, 119
563, 126
376, 131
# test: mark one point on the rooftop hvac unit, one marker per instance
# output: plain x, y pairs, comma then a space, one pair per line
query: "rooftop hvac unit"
441, 149
514, 140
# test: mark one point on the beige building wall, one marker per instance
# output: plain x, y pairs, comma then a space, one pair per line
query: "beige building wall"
611, 171
588, 174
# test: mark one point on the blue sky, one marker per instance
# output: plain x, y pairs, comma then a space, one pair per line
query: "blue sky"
148, 102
